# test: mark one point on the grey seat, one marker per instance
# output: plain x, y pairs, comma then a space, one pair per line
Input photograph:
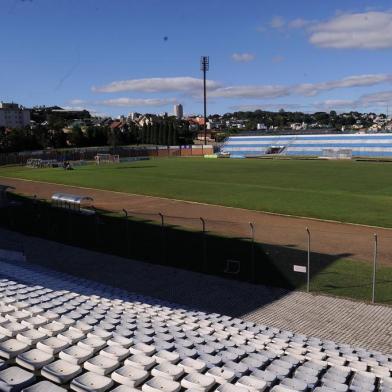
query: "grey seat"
101, 364
61, 371
168, 370
14, 379
198, 381
34, 359
161, 384
252, 383
91, 382
44, 386
130, 376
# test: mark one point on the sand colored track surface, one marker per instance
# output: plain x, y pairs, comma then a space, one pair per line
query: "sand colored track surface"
339, 240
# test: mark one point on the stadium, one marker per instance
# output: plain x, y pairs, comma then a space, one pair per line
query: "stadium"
327, 146
290, 231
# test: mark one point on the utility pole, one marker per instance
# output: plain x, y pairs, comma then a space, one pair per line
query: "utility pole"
204, 66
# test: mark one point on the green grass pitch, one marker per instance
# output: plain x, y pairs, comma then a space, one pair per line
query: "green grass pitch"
350, 191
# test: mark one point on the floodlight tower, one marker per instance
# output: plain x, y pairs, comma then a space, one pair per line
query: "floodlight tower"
204, 66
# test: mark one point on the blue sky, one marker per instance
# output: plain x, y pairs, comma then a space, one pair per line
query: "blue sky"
111, 56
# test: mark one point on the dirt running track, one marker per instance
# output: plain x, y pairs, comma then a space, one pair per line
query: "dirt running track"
332, 239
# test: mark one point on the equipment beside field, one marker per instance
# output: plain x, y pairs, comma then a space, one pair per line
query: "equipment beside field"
75, 203
106, 158
337, 153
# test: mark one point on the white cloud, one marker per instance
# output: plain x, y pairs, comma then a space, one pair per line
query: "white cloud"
277, 22
379, 98
305, 89
351, 81
193, 87
269, 107
154, 85
243, 57
367, 30
77, 102
262, 91
137, 102
299, 23
336, 104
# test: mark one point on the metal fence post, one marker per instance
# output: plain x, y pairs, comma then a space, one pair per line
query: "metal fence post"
204, 244
308, 264
252, 253
374, 267
126, 231
163, 250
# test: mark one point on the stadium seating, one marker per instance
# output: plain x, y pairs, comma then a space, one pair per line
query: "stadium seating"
359, 145
59, 332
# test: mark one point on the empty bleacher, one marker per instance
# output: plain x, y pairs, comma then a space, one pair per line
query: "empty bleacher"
59, 332
359, 145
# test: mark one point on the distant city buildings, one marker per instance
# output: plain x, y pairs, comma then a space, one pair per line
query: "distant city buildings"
178, 111
13, 116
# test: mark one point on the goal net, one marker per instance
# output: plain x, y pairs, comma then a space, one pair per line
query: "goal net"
337, 153
106, 158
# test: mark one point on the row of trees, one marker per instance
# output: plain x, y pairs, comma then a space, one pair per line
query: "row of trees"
53, 136
283, 119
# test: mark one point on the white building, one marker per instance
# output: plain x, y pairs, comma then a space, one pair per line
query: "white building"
261, 127
13, 116
178, 111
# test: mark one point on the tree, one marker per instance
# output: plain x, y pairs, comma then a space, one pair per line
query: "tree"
76, 137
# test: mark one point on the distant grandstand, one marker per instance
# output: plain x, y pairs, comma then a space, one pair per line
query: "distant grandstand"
326, 146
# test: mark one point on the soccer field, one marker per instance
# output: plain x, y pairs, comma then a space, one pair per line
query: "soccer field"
349, 191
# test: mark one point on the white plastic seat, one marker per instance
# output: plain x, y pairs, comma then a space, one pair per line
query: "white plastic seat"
34, 359
115, 352
221, 375
44, 386
295, 384
166, 356
336, 386
72, 336
161, 384
53, 328
11, 348
198, 381
252, 383
101, 365
15, 379
60, 371
52, 345
12, 328
120, 340
191, 365
76, 355
231, 388
31, 336
129, 375
91, 382
35, 321
168, 370
141, 348
95, 343
238, 368
140, 361
265, 375
282, 388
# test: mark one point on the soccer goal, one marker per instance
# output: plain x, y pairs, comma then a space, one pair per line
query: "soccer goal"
337, 153
106, 158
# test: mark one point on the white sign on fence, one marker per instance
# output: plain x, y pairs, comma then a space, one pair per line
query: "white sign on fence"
299, 268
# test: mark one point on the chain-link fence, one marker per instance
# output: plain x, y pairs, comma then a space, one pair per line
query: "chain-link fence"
336, 261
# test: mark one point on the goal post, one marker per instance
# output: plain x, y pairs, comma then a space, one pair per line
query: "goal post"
106, 158
337, 153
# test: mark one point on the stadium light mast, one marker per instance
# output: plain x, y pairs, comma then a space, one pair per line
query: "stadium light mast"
204, 66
